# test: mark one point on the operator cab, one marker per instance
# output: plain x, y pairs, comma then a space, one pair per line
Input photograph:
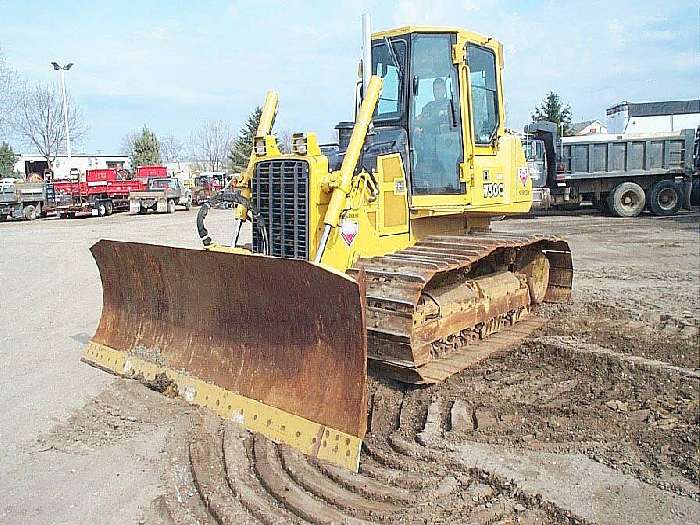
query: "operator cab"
419, 113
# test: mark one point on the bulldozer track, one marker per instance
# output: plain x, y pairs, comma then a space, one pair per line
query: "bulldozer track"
403, 345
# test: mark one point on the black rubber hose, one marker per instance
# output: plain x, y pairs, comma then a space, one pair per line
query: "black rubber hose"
237, 198
201, 215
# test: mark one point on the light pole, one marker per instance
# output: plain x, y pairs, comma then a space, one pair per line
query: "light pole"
63, 69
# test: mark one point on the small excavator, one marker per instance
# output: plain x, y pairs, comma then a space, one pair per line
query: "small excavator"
376, 250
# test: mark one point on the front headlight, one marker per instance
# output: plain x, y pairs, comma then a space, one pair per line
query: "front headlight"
260, 148
299, 144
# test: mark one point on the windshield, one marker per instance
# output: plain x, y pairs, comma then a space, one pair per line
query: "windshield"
534, 150
160, 184
384, 66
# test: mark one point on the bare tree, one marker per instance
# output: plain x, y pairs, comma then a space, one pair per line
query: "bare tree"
11, 86
127, 145
211, 143
38, 121
284, 140
171, 149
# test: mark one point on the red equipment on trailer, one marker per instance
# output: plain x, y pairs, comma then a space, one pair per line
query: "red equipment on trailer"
102, 192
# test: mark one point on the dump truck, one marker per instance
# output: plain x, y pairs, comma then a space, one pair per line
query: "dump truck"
622, 175
21, 200
375, 253
161, 195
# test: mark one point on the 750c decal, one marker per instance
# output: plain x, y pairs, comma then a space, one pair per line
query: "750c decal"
493, 189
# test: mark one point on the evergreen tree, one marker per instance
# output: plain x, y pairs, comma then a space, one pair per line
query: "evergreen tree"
243, 145
7, 161
554, 110
143, 148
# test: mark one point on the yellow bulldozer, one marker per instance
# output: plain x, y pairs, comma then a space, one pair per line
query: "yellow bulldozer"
374, 250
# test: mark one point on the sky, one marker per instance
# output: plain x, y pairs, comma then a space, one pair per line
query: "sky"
174, 65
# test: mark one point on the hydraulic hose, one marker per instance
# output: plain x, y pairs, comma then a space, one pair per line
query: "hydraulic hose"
201, 229
235, 198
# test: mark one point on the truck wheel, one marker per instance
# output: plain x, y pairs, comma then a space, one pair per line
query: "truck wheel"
29, 212
171, 206
627, 200
695, 193
109, 208
101, 209
665, 198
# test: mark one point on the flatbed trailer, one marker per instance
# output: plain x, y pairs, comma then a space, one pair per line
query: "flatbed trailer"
103, 192
620, 174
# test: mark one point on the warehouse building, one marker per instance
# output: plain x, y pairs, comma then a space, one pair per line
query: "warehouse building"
29, 164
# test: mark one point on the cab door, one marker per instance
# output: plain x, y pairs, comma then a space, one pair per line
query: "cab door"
490, 177
435, 123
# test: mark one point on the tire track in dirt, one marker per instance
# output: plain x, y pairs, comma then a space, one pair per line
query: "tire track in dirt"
535, 401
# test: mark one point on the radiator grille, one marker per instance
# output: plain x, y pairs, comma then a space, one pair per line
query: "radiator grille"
280, 192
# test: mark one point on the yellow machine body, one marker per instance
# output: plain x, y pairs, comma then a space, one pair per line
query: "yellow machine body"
388, 216
375, 248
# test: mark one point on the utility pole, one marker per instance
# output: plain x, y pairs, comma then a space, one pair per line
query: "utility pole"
62, 70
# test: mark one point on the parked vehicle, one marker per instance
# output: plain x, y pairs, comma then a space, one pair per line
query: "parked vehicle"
21, 200
103, 192
695, 192
205, 185
161, 196
621, 174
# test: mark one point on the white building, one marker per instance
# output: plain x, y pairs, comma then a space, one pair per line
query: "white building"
588, 127
651, 117
29, 164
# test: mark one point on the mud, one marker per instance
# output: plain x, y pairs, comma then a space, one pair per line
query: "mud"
608, 389
587, 421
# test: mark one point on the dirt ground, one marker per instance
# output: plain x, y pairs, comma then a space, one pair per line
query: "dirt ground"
593, 419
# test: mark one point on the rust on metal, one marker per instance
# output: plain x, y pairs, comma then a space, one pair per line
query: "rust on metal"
400, 333
284, 332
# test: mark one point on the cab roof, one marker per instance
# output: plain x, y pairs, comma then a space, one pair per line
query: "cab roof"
467, 35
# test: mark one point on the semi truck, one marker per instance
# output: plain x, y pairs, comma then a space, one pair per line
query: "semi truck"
21, 200
102, 192
160, 195
622, 175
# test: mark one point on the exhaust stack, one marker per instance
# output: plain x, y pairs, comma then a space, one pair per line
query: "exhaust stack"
366, 52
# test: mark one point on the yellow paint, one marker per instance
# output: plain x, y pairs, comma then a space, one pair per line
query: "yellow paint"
345, 175
375, 201
267, 119
393, 204
313, 439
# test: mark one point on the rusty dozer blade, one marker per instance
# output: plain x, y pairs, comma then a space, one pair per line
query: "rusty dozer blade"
277, 344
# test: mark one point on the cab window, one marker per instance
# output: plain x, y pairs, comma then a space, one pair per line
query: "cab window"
384, 66
482, 80
435, 129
